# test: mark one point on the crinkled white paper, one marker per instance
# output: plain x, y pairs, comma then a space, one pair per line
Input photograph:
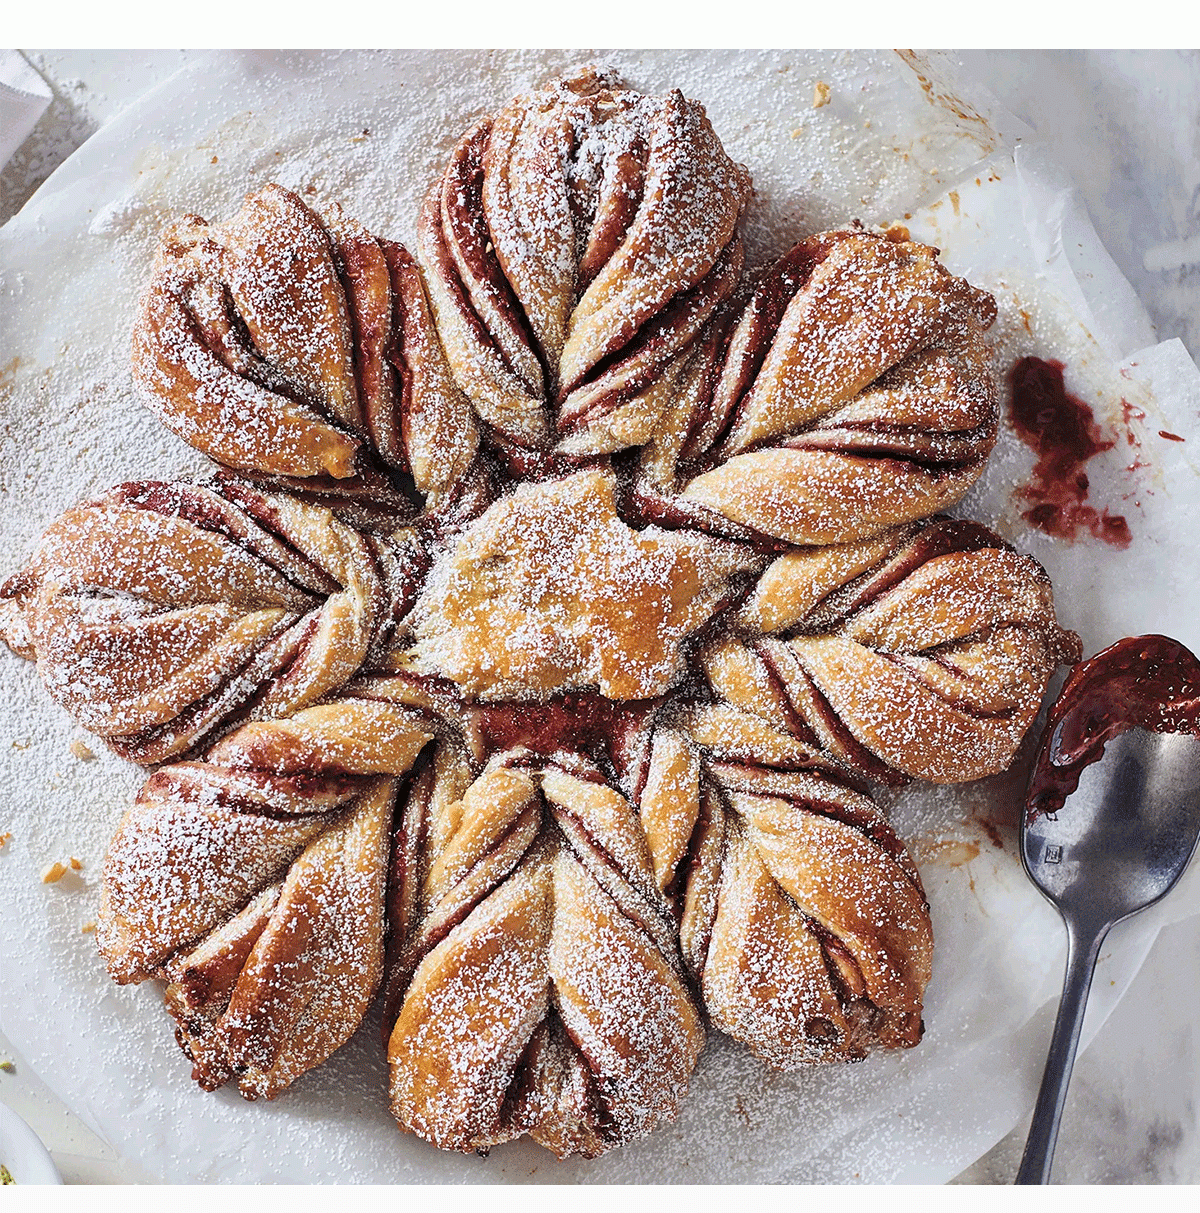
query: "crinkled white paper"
900, 140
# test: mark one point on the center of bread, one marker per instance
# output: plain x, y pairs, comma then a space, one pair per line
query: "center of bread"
549, 590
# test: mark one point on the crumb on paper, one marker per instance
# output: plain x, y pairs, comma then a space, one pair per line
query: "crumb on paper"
54, 873
5, 839
76, 864
7, 1066
81, 751
88, 927
21, 745
798, 131
820, 94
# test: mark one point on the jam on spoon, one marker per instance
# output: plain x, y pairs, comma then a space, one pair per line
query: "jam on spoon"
1141, 682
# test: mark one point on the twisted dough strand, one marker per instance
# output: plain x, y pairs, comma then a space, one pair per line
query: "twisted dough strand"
161, 610
300, 348
801, 915
256, 886
922, 653
575, 246
852, 392
541, 990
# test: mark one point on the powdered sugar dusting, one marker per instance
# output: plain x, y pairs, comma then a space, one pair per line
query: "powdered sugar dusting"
550, 591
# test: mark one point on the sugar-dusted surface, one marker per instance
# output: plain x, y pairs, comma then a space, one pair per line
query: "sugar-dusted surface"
564, 224
1095, 612
934, 662
551, 591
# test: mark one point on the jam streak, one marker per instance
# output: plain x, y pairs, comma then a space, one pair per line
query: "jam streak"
1061, 429
1141, 682
583, 720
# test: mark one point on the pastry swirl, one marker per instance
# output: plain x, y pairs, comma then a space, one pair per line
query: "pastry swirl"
160, 611
301, 348
922, 653
255, 882
575, 246
541, 990
850, 393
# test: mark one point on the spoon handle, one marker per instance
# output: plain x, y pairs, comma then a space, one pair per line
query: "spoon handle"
1083, 947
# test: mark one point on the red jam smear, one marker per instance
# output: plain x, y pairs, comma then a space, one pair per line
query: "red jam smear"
1141, 682
1062, 431
583, 720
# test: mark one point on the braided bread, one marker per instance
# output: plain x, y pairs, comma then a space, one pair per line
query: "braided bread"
532, 651
302, 348
850, 393
159, 611
575, 246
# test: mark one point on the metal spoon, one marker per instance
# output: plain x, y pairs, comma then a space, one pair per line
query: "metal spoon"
1120, 843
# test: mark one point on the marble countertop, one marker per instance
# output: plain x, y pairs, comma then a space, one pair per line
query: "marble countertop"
1126, 127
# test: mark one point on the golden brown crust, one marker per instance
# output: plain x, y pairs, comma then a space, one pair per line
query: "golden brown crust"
215, 347
549, 590
577, 243
850, 393
160, 610
178, 867
299, 347
542, 991
924, 653
870, 307
801, 914
314, 970
257, 888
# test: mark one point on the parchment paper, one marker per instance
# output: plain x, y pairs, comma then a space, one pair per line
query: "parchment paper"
902, 139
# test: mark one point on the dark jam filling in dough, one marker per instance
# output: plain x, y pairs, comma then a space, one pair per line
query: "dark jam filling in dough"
581, 720
1141, 682
1062, 431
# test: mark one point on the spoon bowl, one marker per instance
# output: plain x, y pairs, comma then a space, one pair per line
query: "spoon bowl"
1119, 843
1125, 835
